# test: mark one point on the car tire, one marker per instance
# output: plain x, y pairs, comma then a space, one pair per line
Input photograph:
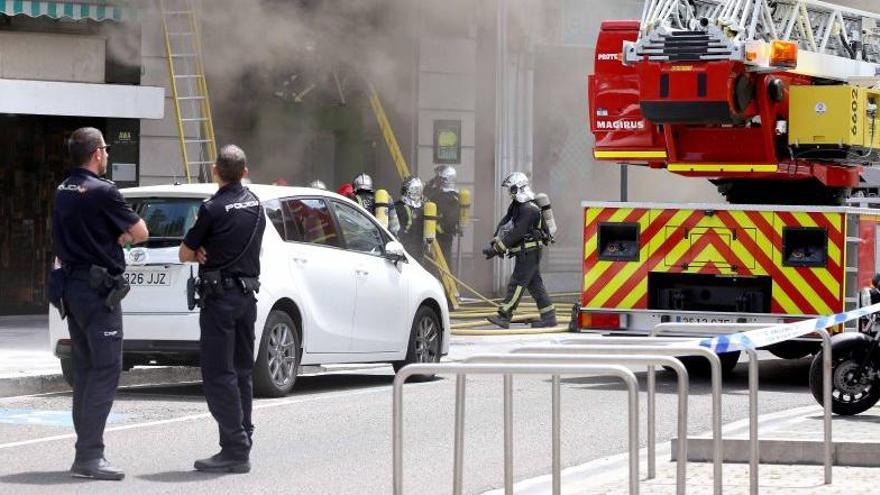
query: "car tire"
67, 370
278, 357
424, 343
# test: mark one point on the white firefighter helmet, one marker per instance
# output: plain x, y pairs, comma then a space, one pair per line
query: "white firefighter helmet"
362, 182
446, 176
517, 185
318, 184
411, 191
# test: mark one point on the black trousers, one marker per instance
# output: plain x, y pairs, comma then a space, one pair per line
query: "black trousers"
227, 360
96, 345
526, 276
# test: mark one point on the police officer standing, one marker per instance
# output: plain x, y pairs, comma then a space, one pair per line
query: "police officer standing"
441, 191
90, 224
521, 233
225, 241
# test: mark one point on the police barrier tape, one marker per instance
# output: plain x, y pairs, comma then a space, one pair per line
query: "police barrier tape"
763, 337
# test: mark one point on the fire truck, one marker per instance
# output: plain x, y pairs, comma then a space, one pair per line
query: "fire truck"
776, 103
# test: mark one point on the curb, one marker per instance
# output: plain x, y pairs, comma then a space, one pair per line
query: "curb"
41, 384
140, 375
787, 451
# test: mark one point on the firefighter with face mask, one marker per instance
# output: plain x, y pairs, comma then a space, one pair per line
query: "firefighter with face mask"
441, 191
364, 194
411, 217
521, 234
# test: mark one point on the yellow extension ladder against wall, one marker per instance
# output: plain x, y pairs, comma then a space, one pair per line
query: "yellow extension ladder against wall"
195, 128
403, 170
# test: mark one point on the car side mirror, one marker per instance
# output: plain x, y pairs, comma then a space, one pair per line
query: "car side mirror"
394, 251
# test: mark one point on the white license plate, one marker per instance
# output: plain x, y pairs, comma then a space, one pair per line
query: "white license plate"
148, 277
704, 319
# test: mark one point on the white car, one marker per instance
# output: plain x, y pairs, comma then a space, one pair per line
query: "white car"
335, 288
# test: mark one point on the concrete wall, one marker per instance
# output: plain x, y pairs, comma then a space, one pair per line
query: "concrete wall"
447, 91
52, 57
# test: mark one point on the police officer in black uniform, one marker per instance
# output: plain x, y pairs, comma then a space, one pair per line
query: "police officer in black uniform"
225, 241
90, 224
521, 234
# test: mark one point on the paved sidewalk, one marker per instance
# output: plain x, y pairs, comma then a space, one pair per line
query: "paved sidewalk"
24, 347
609, 476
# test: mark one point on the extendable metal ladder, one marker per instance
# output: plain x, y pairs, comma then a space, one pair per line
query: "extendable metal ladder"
195, 127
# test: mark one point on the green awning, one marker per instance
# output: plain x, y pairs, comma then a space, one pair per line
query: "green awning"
74, 11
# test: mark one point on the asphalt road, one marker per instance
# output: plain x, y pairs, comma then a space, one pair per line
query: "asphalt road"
333, 434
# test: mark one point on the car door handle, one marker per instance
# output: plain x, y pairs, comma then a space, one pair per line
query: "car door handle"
300, 261
362, 273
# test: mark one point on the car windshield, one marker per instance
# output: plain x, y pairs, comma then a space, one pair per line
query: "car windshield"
168, 219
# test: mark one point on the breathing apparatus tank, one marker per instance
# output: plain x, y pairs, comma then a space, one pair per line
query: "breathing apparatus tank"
430, 213
543, 201
382, 201
464, 203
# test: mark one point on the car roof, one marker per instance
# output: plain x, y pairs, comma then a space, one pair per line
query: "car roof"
203, 190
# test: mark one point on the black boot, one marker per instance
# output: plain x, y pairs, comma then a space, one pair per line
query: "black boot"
98, 469
222, 463
501, 319
548, 320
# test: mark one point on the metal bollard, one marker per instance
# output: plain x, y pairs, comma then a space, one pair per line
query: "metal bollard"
719, 329
826, 398
655, 346
523, 355
462, 370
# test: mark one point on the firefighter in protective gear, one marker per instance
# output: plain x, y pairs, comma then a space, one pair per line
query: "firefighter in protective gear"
411, 216
364, 194
318, 184
441, 191
522, 234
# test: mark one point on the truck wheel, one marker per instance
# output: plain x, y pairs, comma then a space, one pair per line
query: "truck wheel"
67, 370
278, 358
793, 349
699, 366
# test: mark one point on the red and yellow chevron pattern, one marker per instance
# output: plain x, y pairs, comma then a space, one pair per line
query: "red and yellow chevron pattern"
723, 242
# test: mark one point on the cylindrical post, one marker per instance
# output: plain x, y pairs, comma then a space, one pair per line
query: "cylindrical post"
634, 440
397, 434
754, 446
508, 434
826, 399
458, 462
555, 432
681, 464
652, 418
717, 447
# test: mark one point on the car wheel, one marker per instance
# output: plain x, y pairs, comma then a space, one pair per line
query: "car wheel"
424, 341
67, 370
278, 358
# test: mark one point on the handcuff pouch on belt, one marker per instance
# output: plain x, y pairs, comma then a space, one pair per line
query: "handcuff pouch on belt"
115, 285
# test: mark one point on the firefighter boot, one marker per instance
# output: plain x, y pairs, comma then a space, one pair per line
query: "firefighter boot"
548, 320
502, 319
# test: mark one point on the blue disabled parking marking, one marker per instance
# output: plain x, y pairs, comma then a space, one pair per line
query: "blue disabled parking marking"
37, 417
